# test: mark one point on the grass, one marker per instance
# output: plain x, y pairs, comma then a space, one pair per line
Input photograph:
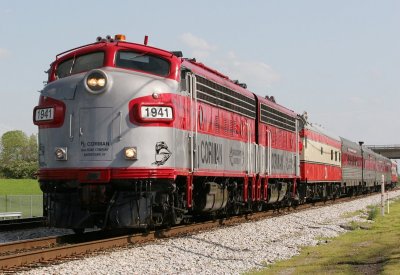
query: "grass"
19, 187
352, 214
22, 195
373, 212
366, 250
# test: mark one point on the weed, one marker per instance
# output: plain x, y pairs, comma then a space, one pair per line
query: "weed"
372, 213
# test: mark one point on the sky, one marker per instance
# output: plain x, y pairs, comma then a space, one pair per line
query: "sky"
337, 60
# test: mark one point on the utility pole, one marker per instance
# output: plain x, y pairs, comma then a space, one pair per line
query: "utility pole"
362, 163
383, 196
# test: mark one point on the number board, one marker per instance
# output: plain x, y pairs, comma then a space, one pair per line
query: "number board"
44, 114
156, 112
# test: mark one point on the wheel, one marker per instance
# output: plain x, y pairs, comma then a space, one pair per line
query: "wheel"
235, 207
258, 206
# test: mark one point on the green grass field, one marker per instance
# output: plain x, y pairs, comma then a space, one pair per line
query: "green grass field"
19, 187
372, 249
21, 196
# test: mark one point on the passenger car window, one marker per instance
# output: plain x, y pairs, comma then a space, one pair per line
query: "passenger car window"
142, 62
80, 64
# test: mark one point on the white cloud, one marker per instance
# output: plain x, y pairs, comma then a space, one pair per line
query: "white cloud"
4, 53
196, 43
200, 48
258, 75
375, 74
356, 100
7, 11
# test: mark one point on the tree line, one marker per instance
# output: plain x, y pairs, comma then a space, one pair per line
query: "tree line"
18, 155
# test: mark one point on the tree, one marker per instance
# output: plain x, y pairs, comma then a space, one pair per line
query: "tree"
18, 155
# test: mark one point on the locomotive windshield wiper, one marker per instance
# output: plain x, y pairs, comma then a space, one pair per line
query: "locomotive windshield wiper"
131, 57
72, 65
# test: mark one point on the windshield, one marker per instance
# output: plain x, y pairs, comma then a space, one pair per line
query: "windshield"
142, 62
80, 64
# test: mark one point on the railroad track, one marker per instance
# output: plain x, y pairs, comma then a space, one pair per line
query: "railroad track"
17, 224
43, 251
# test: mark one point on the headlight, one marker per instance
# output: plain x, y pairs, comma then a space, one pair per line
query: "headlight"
96, 81
61, 153
130, 153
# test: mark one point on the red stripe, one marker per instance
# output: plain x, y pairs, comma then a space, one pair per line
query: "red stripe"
98, 174
105, 174
320, 172
281, 176
320, 138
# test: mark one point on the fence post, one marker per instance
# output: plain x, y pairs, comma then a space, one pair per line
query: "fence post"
387, 199
6, 204
383, 196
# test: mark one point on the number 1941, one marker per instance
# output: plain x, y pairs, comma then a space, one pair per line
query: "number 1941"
158, 112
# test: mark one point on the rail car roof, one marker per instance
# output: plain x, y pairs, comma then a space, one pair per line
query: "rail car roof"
357, 149
214, 75
370, 152
320, 130
346, 143
276, 106
376, 155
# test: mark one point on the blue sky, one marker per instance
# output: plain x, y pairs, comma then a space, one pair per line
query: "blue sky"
337, 60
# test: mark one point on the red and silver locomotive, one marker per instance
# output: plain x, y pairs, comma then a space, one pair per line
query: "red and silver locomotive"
133, 136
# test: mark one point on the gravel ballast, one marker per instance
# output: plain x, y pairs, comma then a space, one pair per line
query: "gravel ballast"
230, 250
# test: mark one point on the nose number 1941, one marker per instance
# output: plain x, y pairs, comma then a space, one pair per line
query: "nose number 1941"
44, 114
157, 112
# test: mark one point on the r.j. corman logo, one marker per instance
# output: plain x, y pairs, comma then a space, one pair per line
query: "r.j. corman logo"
236, 156
95, 144
282, 162
162, 153
210, 152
